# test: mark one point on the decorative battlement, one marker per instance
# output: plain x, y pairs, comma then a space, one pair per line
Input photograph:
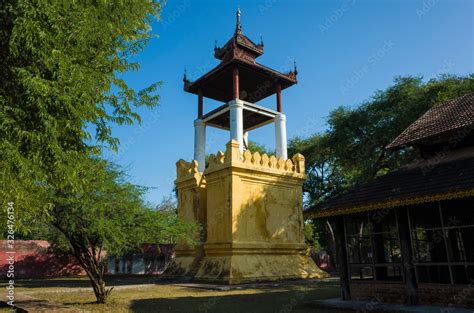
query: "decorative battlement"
187, 170
233, 156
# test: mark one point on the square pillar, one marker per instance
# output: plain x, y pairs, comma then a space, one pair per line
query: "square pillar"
200, 144
278, 98
235, 83
200, 103
341, 256
237, 122
411, 285
280, 136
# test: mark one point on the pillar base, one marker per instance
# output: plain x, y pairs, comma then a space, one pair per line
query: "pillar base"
256, 266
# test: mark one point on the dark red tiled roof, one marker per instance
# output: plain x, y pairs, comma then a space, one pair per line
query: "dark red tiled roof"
255, 83
245, 41
439, 120
439, 175
242, 41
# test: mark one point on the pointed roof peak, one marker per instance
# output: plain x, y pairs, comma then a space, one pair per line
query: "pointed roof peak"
239, 44
238, 27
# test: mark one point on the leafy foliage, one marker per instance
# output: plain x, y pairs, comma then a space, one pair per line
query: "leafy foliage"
352, 151
256, 147
359, 136
61, 67
60, 62
108, 215
311, 235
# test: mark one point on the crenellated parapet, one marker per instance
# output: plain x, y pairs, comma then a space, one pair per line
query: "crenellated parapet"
187, 170
256, 161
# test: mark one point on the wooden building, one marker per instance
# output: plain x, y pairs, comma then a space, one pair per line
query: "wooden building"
408, 236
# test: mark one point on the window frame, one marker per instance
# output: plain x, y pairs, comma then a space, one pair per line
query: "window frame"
392, 235
444, 230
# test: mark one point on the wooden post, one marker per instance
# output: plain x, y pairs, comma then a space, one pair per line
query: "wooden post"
200, 103
341, 256
278, 98
411, 285
235, 81
379, 250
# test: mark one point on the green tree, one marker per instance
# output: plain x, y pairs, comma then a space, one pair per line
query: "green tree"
358, 136
108, 216
352, 151
256, 147
61, 63
323, 174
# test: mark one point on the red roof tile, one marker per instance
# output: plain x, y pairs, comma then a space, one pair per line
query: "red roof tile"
439, 120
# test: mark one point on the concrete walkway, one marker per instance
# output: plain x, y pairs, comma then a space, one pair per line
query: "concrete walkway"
220, 287
25, 303
371, 306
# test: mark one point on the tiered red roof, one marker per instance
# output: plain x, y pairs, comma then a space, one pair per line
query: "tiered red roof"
256, 80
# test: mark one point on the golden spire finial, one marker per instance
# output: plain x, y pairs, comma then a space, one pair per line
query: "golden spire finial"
238, 28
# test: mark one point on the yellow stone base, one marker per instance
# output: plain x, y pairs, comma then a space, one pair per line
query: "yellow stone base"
239, 269
180, 267
250, 207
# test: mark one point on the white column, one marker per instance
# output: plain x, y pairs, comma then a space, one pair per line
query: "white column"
237, 122
280, 136
200, 144
246, 138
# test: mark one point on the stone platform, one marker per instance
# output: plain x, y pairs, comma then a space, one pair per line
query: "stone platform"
250, 206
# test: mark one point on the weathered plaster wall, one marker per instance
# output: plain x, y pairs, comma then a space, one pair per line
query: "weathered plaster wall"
254, 222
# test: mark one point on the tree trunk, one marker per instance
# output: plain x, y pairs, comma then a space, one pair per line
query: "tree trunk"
98, 284
89, 256
90, 262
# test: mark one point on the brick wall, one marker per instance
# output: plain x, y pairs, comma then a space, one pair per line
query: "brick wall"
32, 259
378, 292
436, 294
448, 295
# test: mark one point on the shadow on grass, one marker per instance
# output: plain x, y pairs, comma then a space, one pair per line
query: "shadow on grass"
79, 282
80, 303
267, 301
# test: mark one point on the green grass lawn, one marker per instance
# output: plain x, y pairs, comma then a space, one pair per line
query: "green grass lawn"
165, 297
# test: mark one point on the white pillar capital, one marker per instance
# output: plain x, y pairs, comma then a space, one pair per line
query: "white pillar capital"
236, 103
280, 116
199, 122
200, 143
280, 136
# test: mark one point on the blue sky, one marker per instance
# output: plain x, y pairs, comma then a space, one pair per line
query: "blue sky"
345, 51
